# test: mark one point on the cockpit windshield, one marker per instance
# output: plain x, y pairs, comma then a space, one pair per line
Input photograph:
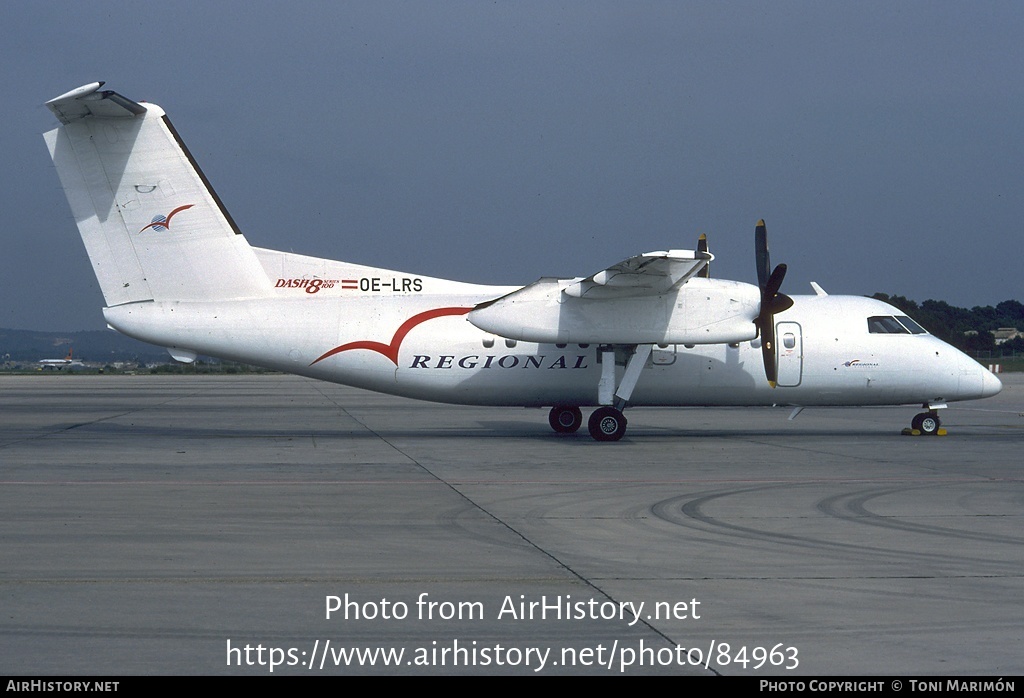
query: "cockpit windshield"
888, 324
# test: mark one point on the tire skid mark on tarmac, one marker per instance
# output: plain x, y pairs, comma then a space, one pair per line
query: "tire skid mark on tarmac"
688, 511
837, 505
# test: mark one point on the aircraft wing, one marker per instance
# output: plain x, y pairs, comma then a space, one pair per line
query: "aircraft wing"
652, 298
648, 274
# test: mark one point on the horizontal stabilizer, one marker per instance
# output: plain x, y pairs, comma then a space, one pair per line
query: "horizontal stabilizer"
88, 100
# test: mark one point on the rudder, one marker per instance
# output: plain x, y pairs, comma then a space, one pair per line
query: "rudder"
153, 227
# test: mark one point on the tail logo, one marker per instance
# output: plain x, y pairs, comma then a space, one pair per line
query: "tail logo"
390, 351
161, 222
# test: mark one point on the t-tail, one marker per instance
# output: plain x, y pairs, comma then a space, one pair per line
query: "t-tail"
152, 225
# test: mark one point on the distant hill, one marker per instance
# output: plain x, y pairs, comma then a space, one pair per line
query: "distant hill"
101, 346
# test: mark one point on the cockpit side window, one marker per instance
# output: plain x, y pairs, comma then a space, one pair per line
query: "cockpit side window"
885, 324
911, 325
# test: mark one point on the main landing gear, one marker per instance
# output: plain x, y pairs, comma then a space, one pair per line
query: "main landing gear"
565, 420
607, 423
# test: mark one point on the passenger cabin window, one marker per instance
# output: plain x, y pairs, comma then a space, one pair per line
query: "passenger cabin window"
887, 324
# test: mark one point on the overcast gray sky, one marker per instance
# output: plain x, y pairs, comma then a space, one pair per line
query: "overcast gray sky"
505, 141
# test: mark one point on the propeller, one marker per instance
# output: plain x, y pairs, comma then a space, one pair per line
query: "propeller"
772, 301
702, 246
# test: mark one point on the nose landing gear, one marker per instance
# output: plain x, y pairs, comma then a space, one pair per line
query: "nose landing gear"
926, 424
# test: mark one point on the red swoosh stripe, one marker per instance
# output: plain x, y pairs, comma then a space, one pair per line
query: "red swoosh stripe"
391, 350
166, 223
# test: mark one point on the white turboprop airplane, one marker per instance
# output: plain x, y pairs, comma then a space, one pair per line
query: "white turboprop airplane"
655, 329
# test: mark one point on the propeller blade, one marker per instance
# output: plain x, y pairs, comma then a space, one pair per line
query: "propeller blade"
761, 257
776, 302
771, 288
702, 246
771, 367
769, 281
780, 303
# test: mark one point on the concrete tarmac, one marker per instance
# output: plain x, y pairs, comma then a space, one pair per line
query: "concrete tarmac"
162, 525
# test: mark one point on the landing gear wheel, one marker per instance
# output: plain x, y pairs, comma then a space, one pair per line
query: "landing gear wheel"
927, 423
565, 420
607, 424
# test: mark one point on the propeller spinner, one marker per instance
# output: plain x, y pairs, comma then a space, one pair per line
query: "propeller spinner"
772, 301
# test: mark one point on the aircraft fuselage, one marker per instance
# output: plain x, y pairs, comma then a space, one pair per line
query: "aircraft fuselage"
422, 346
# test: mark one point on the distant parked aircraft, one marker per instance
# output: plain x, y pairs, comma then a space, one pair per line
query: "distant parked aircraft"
61, 364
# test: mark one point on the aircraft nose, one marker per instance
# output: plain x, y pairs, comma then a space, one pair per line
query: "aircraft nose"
976, 381
990, 384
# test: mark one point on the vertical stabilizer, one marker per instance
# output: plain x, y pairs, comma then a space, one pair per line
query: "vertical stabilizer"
153, 227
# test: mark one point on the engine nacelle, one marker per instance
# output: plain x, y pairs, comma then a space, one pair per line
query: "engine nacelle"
700, 311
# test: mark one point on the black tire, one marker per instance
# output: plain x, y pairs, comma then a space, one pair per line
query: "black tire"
565, 420
927, 423
607, 424
930, 424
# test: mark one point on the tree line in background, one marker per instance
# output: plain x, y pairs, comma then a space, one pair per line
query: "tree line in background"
968, 330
